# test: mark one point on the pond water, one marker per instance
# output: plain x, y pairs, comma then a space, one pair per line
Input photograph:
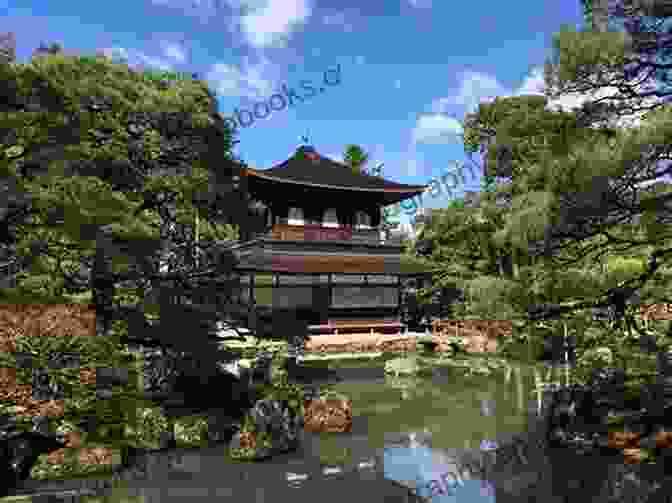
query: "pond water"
407, 431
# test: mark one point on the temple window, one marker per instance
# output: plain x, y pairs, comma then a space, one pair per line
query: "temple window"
362, 220
295, 216
330, 218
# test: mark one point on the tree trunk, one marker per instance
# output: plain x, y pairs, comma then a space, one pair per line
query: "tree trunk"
600, 15
514, 263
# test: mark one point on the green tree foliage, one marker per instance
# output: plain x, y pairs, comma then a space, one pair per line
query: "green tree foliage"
572, 193
588, 215
577, 203
105, 175
104, 128
355, 157
466, 257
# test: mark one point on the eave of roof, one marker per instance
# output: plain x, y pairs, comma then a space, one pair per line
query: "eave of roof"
401, 188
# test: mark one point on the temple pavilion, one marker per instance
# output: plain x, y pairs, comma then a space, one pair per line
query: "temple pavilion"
322, 252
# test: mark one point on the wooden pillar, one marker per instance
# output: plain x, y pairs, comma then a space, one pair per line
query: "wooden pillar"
331, 294
252, 299
374, 213
399, 297
251, 317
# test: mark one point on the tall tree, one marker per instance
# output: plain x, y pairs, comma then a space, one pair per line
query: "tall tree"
576, 180
120, 233
355, 157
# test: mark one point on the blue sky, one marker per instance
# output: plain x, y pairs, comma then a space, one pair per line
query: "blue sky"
407, 67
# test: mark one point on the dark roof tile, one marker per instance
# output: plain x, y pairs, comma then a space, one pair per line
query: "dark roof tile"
317, 170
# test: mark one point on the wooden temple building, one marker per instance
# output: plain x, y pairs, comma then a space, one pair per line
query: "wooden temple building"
322, 253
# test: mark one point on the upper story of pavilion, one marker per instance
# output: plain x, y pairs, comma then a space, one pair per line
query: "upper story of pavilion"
310, 197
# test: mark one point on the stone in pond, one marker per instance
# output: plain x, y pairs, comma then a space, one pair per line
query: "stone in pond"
275, 429
328, 415
623, 439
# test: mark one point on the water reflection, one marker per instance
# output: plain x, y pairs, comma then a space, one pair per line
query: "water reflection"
439, 475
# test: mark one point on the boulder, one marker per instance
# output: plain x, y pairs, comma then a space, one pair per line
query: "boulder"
328, 415
271, 428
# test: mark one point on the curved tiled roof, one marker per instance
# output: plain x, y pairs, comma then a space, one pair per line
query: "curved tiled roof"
318, 171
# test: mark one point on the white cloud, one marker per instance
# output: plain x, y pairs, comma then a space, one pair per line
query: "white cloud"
439, 127
271, 23
251, 81
533, 83
475, 87
174, 51
264, 23
571, 101
436, 129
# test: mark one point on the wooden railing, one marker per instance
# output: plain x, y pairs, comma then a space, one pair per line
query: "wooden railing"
372, 326
316, 232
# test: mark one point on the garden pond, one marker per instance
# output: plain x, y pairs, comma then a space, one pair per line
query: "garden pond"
411, 426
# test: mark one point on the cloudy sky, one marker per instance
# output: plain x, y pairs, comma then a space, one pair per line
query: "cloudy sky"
408, 68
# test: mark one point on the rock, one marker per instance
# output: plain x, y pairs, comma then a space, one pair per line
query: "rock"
91, 456
633, 455
273, 429
478, 335
325, 415
73, 439
664, 439
244, 440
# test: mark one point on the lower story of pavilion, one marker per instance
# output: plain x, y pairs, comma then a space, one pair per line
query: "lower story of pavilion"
322, 289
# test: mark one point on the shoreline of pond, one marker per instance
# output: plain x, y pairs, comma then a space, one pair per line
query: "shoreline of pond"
354, 369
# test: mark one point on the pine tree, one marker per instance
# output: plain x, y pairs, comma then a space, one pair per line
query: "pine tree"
575, 179
355, 157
